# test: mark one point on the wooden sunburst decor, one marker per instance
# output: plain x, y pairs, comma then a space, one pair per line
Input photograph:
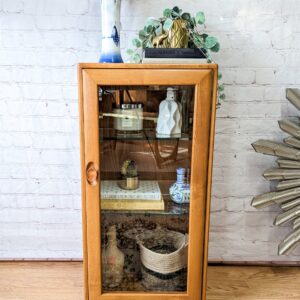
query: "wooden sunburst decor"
287, 175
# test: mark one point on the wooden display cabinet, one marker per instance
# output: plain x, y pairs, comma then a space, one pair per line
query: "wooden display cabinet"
102, 89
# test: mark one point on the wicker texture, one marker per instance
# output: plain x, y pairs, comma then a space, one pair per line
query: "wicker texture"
163, 263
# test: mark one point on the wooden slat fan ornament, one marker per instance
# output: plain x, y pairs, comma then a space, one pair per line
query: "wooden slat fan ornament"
287, 193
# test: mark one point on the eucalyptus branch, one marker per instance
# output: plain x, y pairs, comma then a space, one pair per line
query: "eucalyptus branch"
159, 27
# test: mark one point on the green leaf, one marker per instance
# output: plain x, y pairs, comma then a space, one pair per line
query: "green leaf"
136, 58
149, 28
200, 17
204, 36
221, 87
193, 21
142, 34
175, 12
136, 43
145, 43
167, 12
216, 47
222, 96
219, 76
176, 9
198, 42
210, 42
168, 24
153, 22
129, 51
186, 16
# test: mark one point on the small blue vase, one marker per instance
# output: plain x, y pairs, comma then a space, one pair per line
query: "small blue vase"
110, 52
180, 190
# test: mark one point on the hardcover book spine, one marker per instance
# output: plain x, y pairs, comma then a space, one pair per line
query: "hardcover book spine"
173, 53
174, 60
113, 204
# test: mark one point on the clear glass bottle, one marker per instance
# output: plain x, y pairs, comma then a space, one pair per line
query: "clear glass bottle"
112, 260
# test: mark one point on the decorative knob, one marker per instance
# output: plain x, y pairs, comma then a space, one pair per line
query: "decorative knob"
91, 174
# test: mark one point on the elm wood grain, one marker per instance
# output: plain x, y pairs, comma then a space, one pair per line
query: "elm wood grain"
41, 281
91, 150
253, 283
200, 76
83, 174
209, 174
199, 181
64, 281
146, 66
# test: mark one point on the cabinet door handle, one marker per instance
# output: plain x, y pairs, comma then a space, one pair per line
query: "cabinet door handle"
92, 174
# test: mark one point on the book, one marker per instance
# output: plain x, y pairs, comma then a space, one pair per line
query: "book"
174, 61
146, 197
147, 190
133, 204
174, 53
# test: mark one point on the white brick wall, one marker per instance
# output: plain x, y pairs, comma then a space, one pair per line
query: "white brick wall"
40, 44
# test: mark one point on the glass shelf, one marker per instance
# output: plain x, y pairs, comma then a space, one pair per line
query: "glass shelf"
171, 209
146, 134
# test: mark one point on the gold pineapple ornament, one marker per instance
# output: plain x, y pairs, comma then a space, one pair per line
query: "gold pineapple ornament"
178, 35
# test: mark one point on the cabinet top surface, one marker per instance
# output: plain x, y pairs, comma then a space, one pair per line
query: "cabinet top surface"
145, 66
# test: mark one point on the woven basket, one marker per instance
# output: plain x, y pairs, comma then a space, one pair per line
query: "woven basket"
173, 243
128, 230
153, 281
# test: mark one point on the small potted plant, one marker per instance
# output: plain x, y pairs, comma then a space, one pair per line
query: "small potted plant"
129, 173
176, 29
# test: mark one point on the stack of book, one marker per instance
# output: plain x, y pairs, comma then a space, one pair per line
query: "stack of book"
174, 56
147, 197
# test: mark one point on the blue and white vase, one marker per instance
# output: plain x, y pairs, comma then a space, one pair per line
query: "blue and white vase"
110, 10
180, 190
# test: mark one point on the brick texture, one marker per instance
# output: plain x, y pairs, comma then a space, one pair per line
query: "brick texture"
40, 44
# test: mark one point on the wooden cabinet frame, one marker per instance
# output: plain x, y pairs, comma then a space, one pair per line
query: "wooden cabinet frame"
204, 79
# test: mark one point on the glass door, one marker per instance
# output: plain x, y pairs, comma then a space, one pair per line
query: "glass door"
145, 157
